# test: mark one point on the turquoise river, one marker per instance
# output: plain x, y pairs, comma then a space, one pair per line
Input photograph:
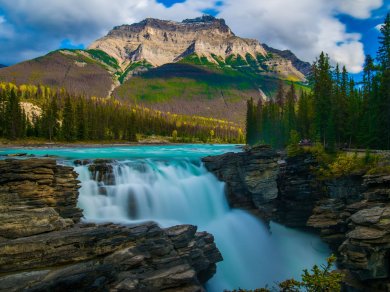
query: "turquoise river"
168, 184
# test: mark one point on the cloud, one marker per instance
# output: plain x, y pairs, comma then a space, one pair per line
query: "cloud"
30, 28
358, 8
379, 26
306, 27
41, 25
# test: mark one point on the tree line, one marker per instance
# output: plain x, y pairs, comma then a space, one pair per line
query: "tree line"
334, 111
61, 117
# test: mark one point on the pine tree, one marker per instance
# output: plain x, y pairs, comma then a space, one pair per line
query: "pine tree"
81, 124
259, 119
13, 116
289, 113
250, 123
322, 90
68, 121
384, 90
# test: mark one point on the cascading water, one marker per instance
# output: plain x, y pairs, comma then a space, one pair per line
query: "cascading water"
168, 184
183, 192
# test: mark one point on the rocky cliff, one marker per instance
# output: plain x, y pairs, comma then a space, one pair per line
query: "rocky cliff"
355, 221
160, 42
250, 178
45, 247
351, 213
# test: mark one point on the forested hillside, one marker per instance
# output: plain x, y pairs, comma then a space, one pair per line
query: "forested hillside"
337, 112
29, 111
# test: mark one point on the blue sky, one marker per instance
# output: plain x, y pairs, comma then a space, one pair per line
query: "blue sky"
345, 29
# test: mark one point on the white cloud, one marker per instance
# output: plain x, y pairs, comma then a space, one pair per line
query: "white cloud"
358, 8
379, 26
305, 26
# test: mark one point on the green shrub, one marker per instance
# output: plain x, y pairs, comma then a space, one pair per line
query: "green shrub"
293, 148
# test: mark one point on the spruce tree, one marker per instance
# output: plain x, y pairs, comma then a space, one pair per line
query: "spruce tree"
14, 117
384, 90
250, 123
81, 124
68, 121
322, 90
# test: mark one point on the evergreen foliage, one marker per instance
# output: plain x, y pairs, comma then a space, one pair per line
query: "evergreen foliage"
336, 113
63, 117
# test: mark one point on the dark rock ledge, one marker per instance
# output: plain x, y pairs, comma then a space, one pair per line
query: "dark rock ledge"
44, 247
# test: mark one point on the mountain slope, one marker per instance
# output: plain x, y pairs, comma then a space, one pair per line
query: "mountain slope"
76, 71
197, 66
303, 67
160, 42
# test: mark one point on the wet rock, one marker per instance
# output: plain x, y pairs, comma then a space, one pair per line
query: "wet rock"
250, 178
29, 189
102, 171
44, 247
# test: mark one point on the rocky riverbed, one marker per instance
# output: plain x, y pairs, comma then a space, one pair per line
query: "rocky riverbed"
44, 245
351, 213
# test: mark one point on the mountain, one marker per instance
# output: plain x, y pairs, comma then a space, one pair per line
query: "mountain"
197, 66
158, 42
77, 71
304, 67
2, 66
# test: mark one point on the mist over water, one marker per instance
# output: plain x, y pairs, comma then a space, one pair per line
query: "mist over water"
169, 185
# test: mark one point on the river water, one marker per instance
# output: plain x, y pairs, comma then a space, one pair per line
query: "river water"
169, 185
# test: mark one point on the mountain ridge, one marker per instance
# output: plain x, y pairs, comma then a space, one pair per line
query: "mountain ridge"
164, 64
163, 41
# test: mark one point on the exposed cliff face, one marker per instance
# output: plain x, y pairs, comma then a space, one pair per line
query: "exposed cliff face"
352, 213
161, 42
250, 178
304, 67
44, 247
298, 191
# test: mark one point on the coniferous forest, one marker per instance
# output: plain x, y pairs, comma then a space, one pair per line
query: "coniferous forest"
58, 116
334, 111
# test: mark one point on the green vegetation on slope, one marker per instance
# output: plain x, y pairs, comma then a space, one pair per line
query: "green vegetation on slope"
104, 57
73, 118
187, 81
132, 67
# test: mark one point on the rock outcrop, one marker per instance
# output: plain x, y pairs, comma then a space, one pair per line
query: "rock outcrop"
298, 191
45, 247
161, 42
351, 213
250, 178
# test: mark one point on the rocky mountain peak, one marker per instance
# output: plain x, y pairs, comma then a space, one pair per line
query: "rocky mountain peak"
162, 41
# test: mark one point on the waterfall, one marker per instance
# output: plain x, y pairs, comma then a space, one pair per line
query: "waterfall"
174, 192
